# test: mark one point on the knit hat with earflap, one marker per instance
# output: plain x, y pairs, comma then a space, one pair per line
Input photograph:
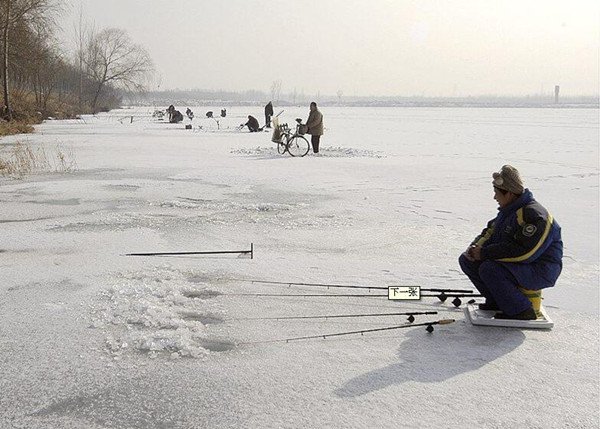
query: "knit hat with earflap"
508, 179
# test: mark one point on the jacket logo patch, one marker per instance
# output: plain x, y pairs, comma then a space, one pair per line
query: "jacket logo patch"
529, 230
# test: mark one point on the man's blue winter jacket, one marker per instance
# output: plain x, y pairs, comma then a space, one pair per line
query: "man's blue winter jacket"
526, 239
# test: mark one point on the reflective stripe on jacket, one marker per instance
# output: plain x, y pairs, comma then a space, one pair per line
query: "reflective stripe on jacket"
522, 234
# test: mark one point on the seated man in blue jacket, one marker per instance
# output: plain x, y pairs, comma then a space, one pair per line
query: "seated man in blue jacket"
521, 247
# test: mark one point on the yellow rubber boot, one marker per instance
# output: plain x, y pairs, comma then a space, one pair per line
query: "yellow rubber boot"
535, 296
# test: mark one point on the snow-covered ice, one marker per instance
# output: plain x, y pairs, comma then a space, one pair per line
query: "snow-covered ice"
92, 338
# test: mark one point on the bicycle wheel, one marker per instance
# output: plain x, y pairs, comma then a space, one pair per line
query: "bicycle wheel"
281, 147
298, 146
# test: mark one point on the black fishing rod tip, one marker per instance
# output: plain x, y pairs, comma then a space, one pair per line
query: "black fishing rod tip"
411, 318
457, 302
429, 328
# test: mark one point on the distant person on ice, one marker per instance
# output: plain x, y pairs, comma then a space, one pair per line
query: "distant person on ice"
175, 116
252, 124
521, 247
314, 125
268, 114
170, 111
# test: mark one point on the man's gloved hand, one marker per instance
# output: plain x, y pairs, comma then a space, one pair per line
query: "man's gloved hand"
474, 252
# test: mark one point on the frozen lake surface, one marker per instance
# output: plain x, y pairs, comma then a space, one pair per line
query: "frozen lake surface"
92, 338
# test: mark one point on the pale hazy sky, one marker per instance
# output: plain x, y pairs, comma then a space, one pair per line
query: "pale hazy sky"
370, 47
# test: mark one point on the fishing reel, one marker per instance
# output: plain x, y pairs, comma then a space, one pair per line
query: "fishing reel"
457, 302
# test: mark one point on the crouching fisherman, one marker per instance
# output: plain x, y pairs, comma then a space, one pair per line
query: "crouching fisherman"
252, 124
520, 248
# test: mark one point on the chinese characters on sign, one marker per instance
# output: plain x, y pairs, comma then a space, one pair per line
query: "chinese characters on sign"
404, 292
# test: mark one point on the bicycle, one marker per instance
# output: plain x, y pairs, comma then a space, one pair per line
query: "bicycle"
295, 144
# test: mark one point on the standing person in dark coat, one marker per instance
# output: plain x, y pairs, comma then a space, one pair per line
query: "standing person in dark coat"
252, 124
521, 247
170, 111
314, 125
268, 114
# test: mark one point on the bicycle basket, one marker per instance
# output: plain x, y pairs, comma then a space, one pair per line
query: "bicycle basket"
277, 135
302, 129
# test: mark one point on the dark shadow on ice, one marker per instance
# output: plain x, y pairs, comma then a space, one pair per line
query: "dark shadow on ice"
154, 401
432, 358
231, 256
29, 220
66, 202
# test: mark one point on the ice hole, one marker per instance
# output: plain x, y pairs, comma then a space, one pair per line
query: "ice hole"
201, 294
216, 345
205, 319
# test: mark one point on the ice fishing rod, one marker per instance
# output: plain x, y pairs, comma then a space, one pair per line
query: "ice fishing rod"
217, 252
411, 316
442, 296
429, 329
360, 295
466, 291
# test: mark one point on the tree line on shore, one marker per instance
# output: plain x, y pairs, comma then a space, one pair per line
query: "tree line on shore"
40, 80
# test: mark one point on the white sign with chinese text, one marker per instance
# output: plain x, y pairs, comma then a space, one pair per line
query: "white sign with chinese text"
404, 292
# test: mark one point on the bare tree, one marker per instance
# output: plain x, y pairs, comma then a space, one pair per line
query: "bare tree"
80, 33
276, 90
36, 63
111, 58
294, 96
12, 14
45, 78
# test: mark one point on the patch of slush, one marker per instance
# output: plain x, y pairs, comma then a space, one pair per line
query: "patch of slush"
347, 152
159, 313
218, 205
257, 151
118, 222
231, 212
180, 204
190, 213
330, 152
121, 187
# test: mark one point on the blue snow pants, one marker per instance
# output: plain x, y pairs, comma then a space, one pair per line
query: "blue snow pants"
497, 284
